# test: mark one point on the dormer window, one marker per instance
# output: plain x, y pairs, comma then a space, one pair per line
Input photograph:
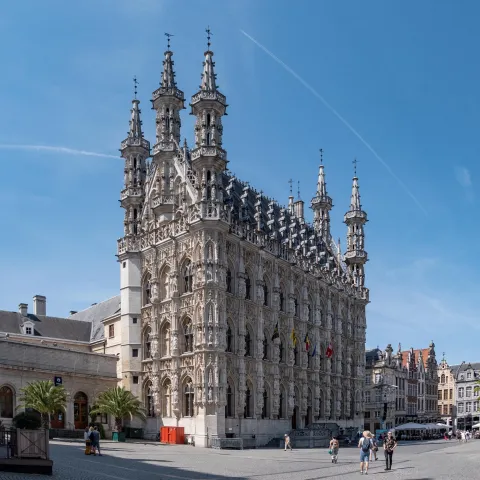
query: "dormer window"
28, 328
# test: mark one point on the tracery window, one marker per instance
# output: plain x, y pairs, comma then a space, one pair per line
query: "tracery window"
229, 407
265, 295
248, 344
282, 352
295, 307
247, 287
167, 398
229, 339
149, 401
188, 332
188, 399
282, 302
187, 277
147, 344
229, 281
146, 291
265, 409
248, 402
265, 348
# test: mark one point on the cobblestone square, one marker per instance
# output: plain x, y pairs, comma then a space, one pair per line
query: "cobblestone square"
142, 461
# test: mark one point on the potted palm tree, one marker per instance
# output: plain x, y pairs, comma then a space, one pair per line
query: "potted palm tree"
120, 404
44, 397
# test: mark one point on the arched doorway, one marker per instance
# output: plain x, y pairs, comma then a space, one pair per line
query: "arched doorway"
80, 410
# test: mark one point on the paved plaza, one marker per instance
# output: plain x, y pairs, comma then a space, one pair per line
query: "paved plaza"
139, 461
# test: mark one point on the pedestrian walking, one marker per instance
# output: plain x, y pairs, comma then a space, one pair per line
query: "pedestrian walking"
374, 449
389, 446
287, 442
96, 441
88, 443
334, 446
365, 444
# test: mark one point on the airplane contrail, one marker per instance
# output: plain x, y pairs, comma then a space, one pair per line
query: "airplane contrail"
51, 148
342, 119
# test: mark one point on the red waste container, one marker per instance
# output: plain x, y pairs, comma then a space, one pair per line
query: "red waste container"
164, 434
176, 435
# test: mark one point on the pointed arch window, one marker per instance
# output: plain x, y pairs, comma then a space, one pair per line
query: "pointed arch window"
187, 277
167, 399
281, 406
165, 340
188, 332
209, 119
149, 401
247, 413
265, 348
229, 339
167, 120
295, 307
188, 399
296, 356
229, 407
147, 344
135, 163
248, 344
282, 302
282, 352
247, 287
265, 295
229, 281
265, 412
146, 291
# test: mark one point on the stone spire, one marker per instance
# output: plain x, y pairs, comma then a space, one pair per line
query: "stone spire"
135, 132
208, 157
208, 76
135, 150
321, 204
355, 219
168, 101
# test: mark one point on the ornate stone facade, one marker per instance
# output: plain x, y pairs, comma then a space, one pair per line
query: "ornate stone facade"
224, 279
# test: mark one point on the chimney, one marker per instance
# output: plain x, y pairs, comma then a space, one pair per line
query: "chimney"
23, 309
73, 312
39, 305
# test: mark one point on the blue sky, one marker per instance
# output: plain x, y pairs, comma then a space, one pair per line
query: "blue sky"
404, 75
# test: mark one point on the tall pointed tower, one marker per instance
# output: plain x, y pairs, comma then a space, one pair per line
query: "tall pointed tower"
208, 157
355, 219
322, 204
135, 150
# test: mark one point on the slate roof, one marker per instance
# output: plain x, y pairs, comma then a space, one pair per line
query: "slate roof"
95, 314
45, 326
84, 326
454, 368
372, 356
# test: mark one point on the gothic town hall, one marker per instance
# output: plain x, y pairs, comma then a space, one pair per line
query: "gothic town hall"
237, 316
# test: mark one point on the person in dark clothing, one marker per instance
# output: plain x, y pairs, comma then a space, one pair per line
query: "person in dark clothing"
389, 445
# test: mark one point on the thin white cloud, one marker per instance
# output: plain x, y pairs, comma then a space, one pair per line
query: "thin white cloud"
55, 149
342, 119
464, 179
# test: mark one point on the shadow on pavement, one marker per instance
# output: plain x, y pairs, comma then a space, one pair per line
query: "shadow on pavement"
71, 458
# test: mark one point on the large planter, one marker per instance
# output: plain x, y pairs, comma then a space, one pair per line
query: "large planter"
118, 436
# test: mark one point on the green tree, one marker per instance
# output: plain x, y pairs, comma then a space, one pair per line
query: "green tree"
44, 397
121, 404
477, 386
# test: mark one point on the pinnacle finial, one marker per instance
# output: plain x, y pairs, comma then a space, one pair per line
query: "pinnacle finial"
291, 186
135, 85
355, 161
168, 35
298, 189
209, 34
321, 156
